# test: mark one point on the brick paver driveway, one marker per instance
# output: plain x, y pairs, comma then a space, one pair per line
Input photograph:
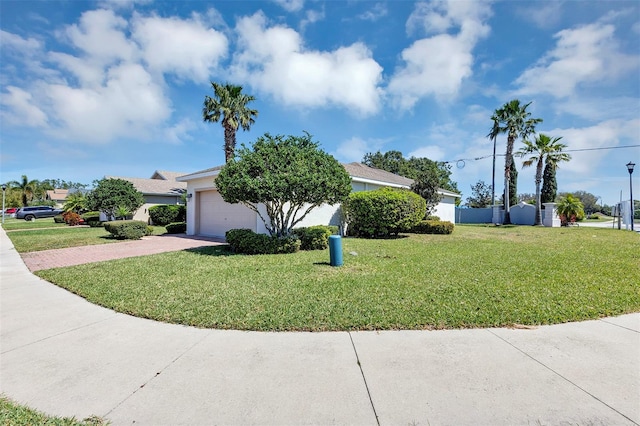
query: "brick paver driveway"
71, 256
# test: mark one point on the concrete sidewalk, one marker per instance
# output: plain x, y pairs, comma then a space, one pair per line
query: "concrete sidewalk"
65, 356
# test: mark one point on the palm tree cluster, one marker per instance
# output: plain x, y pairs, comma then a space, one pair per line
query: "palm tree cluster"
514, 120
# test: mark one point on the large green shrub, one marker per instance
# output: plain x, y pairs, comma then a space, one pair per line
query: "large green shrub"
92, 219
127, 229
176, 228
383, 212
433, 227
163, 215
315, 237
245, 241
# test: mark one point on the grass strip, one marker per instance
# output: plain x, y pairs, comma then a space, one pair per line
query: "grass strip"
476, 277
15, 414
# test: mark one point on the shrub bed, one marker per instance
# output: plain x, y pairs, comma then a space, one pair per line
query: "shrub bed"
163, 215
383, 212
71, 218
127, 229
58, 218
176, 228
433, 227
245, 241
315, 237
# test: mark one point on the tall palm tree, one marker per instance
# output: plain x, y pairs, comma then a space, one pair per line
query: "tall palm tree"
27, 187
229, 105
514, 120
542, 150
493, 135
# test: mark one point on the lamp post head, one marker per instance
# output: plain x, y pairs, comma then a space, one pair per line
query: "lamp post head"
4, 187
630, 166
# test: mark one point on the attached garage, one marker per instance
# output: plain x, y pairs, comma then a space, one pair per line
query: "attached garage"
215, 217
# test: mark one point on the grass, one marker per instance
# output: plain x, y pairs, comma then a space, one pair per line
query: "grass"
16, 414
11, 224
28, 240
476, 277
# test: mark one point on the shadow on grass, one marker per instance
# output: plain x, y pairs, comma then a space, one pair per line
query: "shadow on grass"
211, 251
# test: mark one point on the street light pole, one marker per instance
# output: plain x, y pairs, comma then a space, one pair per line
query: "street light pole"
630, 167
4, 188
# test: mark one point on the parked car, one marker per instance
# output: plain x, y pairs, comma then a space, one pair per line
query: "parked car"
11, 210
37, 212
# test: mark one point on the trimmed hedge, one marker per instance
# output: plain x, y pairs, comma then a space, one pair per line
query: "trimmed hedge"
127, 229
163, 215
383, 212
92, 219
176, 228
315, 237
58, 218
245, 241
433, 227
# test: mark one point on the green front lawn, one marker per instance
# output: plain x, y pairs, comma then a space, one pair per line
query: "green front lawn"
476, 277
16, 414
62, 237
11, 224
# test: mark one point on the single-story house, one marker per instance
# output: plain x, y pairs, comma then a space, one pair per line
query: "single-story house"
161, 188
58, 196
209, 215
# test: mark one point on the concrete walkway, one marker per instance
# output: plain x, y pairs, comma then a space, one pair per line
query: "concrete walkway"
67, 357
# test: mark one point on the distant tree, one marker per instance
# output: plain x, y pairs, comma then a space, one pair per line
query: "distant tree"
229, 105
426, 185
28, 188
412, 168
289, 175
514, 120
513, 184
480, 195
549, 190
527, 198
539, 151
110, 195
588, 200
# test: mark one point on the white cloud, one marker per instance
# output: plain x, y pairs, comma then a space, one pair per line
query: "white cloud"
274, 60
379, 10
122, 4
432, 152
437, 66
604, 134
355, 148
290, 5
312, 16
582, 55
128, 104
21, 109
186, 48
18, 44
543, 14
179, 132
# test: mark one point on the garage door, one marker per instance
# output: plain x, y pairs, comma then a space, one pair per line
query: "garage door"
217, 217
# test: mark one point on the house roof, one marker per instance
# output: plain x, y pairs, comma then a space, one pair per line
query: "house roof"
161, 183
357, 171
57, 194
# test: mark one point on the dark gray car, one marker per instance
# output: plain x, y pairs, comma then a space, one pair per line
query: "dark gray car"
37, 212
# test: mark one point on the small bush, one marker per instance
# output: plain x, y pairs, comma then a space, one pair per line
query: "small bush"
149, 230
127, 229
92, 219
383, 212
163, 215
245, 241
432, 217
433, 227
315, 237
71, 218
58, 218
176, 228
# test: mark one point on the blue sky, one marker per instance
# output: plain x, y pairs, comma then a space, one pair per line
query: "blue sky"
116, 87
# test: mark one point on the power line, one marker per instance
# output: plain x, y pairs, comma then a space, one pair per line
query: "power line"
460, 163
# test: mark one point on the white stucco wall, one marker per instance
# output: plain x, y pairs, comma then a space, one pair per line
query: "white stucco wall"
446, 209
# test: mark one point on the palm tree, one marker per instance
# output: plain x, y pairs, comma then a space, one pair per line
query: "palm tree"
512, 119
493, 135
542, 149
75, 202
229, 105
27, 187
570, 209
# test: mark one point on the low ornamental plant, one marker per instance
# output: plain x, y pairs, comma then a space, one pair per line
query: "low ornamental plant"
176, 228
127, 229
245, 241
71, 218
433, 227
165, 214
315, 237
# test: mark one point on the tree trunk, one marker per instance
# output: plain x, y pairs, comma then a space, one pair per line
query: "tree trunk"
507, 178
538, 201
229, 142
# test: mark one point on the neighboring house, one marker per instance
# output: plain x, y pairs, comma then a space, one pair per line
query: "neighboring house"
58, 196
209, 215
161, 188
